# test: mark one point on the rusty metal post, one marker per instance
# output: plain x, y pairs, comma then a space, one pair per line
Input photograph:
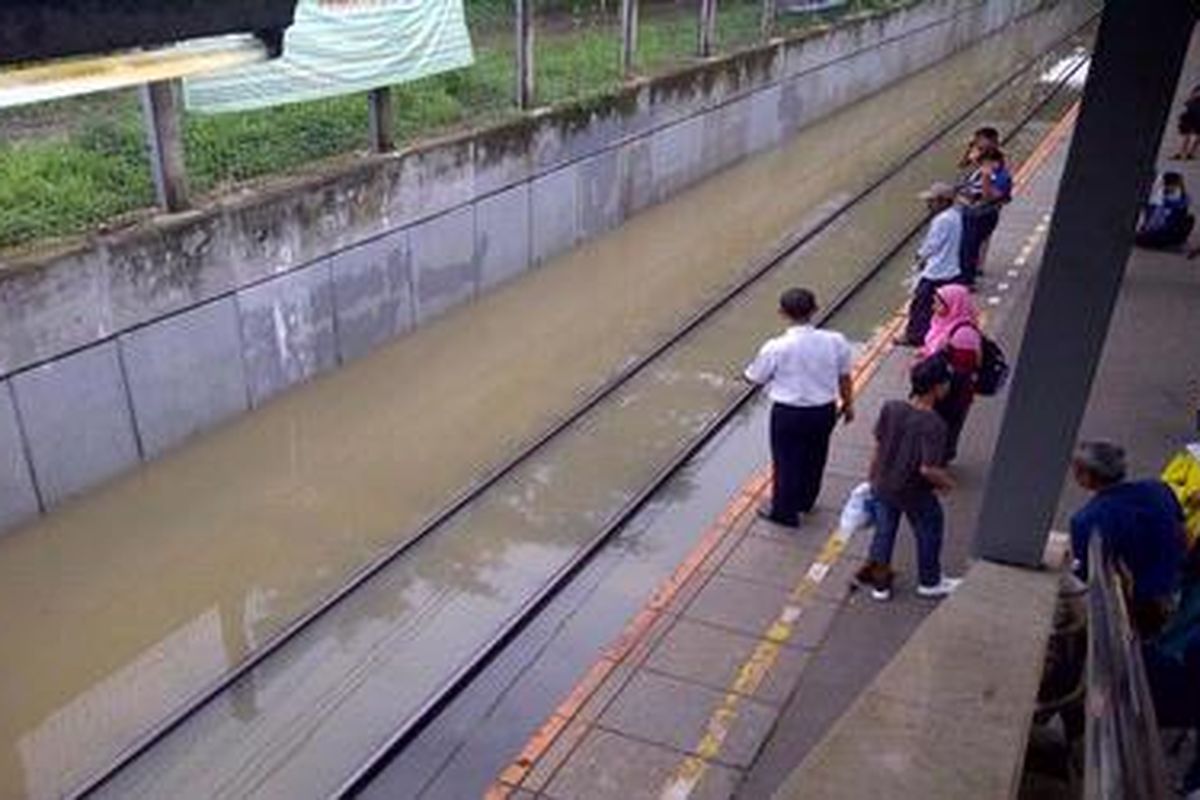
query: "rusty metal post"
163, 116
525, 87
629, 32
383, 138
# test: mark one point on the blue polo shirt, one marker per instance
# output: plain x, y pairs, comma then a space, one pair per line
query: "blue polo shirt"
1141, 525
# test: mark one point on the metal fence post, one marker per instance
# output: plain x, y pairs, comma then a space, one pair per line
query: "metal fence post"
163, 118
629, 31
768, 18
525, 88
383, 137
708, 28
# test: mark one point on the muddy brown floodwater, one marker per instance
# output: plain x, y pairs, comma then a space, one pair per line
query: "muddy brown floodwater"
118, 607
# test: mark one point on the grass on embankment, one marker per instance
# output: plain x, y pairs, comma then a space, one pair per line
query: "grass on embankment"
69, 166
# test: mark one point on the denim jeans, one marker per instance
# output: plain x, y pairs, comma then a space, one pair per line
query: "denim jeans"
924, 513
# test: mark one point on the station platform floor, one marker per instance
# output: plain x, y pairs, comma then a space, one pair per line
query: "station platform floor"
742, 659
745, 657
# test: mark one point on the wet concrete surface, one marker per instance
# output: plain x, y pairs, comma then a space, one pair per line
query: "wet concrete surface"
126, 602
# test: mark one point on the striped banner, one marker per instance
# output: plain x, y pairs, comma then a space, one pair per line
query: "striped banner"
337, 47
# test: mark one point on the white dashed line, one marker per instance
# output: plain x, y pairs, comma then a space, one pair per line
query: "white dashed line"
1013, 273
1003, 287
1020, 261
993, 301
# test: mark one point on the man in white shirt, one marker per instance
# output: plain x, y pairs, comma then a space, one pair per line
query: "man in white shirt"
805, 371
937, 260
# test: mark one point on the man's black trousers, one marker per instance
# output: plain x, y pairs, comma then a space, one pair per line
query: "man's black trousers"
799, 449
920, 310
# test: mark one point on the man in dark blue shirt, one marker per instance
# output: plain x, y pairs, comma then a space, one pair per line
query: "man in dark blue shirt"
1141, 528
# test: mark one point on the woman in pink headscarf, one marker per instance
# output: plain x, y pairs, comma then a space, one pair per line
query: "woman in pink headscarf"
955, 335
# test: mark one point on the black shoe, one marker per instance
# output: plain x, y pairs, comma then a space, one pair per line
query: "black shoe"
876, 577
764, 512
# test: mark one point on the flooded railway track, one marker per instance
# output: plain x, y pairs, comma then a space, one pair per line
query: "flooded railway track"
547, 510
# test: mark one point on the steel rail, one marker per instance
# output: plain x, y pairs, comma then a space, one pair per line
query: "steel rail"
562, 577
558, 580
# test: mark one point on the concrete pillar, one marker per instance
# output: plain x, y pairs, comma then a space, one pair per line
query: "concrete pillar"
629, 31
525, 87
769, 10
162, 113
1139, 52
707, 28
383, 137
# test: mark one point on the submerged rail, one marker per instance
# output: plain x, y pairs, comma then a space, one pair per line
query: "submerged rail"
457, 681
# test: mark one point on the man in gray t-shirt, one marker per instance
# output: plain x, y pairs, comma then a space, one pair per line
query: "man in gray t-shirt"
907, 468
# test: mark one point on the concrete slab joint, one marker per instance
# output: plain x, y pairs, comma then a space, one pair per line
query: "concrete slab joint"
18, 495
77, 421
185, 374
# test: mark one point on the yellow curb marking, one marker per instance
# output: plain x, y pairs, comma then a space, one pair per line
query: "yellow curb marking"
752, 673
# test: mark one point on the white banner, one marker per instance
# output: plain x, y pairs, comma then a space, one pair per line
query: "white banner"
337, 47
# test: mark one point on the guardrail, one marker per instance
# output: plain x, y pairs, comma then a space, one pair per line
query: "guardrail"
1124, 758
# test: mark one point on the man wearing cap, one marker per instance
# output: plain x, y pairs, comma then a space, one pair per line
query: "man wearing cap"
1140, 525
937, 260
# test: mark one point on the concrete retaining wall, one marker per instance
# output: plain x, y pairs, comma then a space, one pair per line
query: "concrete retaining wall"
125, 345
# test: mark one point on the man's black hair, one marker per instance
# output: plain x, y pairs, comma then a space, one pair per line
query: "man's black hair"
798, 304
992, 154
1172, 178
988, 132
928, 374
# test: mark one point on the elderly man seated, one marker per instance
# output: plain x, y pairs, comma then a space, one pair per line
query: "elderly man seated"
1141, 528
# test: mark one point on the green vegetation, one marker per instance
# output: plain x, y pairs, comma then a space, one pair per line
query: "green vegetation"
70, 165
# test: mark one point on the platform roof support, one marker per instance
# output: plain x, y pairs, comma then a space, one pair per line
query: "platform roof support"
1136, 64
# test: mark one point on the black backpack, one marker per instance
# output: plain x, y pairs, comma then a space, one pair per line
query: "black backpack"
993, 366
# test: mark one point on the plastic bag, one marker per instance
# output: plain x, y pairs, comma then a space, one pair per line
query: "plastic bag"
857, 512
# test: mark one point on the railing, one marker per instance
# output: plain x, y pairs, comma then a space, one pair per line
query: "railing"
1124, 753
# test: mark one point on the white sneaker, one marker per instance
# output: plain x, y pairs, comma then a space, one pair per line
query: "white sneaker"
882, 595
940, 589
